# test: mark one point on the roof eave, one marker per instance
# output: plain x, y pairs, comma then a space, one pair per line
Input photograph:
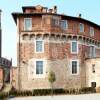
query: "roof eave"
15, 15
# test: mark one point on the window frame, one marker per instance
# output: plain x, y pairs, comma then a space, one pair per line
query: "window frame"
37, 65
44, 69
94, 51
25, 25
76, 47
42, 46
77, 60
66, 24
93, 84
93, 68
80, 27
91, 31
55, 21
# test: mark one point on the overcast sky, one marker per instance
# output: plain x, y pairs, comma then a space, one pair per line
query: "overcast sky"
88, 8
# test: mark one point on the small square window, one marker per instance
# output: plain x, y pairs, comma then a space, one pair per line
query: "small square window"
93, 84
81, 26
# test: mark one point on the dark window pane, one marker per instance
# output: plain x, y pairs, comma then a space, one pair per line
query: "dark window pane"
39, 67
74, 46
93, 84
74, 67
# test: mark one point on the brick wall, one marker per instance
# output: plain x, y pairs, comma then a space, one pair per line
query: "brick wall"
14, 77
73, 26
57, 52
1, 78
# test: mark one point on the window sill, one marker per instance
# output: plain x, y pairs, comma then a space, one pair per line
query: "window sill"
74, 74
74, 52
26, 30
39, 76
39, 52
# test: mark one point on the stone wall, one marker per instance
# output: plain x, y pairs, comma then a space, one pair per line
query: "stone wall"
90, 75
61, 68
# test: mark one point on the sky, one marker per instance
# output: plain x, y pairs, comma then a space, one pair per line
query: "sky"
88, 8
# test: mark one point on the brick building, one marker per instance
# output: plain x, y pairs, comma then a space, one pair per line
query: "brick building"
5, 64
50, 41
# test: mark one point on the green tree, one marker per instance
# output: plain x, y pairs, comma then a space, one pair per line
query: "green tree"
52, 79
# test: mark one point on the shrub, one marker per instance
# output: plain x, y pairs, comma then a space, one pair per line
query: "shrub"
4, 95
59, 91
87, 90
40, 92
67, 91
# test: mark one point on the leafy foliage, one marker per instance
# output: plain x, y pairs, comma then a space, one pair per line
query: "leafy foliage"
51, 77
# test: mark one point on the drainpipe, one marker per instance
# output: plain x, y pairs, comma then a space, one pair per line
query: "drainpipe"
11, 73
19, 69
0, 47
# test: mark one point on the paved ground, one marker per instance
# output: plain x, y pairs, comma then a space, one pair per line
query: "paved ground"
62, 97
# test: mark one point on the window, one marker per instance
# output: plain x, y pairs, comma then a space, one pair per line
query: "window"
39, 67
27, 24
74, 47
93, 84
39, 46
74, 67
55, 22
81, 27
63, 24
92, 51
93, 68
91, 31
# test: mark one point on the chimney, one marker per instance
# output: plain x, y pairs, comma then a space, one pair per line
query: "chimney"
50, 10
55, 9
80, 15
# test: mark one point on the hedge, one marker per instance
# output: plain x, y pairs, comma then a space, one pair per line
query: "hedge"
44, 92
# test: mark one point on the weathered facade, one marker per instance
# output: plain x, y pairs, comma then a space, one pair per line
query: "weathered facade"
93, 72
50, 41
